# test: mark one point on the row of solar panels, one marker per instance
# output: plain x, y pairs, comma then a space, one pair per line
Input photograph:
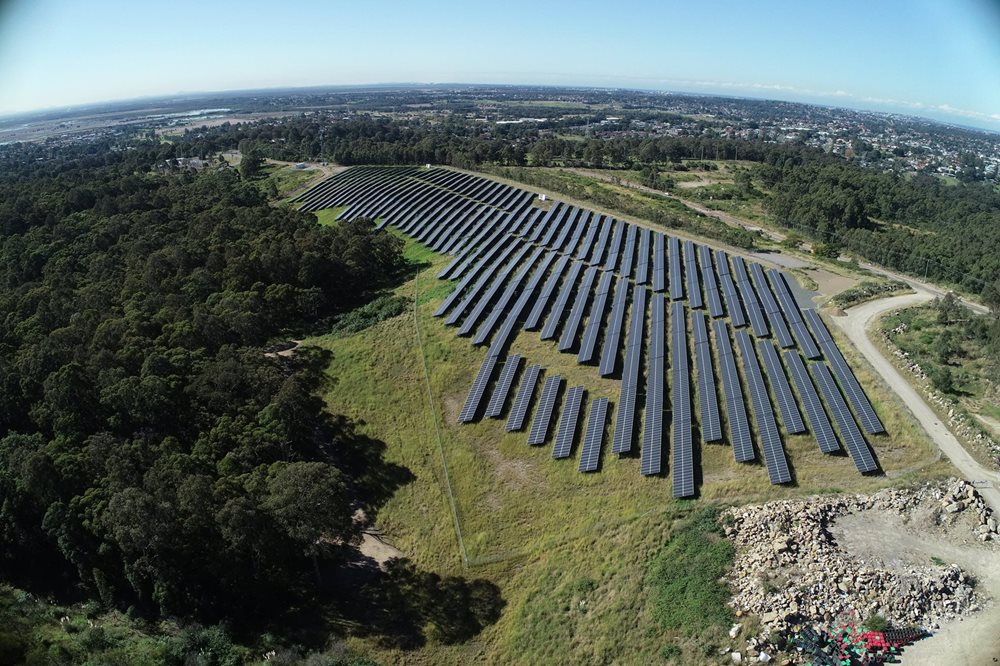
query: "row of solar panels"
652, 446
539, 432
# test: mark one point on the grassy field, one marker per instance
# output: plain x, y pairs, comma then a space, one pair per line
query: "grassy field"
328, 216
286, 178
574, 555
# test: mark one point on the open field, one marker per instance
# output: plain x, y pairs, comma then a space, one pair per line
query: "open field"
549, 536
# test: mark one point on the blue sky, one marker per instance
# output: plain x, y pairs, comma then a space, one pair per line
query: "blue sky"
934, 58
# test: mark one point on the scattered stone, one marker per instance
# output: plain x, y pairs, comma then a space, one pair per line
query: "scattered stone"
790, 571
735, 630
736, 657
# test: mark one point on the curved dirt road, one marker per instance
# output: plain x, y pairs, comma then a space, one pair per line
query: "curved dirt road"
855, 325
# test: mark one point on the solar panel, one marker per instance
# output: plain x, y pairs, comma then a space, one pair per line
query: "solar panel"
502, 389
568, 421
509, 327
852, 389
545, 225
582, 223
602, 241
628, 258
535, 316
560, 224
642, 258
691, 271
855, 441
513, 289
611, 263
676, 280
468, 413
567, 228
589, 345
486, 298
587, 246
806, 344
652, 431
708, 400
790, 415
781, 334
594, 437
525, 392
757, 321
816, 325
543, 415
622, 442
739, 426
733, 305
819, 424
683, 448
568, 338
659, 262
559, 307
612, 336
770, 437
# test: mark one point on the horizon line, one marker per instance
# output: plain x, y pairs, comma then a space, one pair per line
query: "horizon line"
68, 108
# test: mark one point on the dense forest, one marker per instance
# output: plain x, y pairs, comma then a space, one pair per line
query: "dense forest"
153, 456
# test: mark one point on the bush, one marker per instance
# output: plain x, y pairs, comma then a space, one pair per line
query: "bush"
684, 576
876, 622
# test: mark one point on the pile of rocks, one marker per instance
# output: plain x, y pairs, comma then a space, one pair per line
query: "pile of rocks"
790, 571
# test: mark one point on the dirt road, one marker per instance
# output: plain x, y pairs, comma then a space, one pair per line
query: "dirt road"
855, 325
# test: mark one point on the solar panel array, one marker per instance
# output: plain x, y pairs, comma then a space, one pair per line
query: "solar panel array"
502, 389
567, 423
708, 399
516, 265
622, 439
819, 424
853, 439
543, 415
519, 412
652, 431
736, 411
683, 448
790, 415
594, 437
770, 438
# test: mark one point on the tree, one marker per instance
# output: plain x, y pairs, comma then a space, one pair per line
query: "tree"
942, 379
947, 346
251, 163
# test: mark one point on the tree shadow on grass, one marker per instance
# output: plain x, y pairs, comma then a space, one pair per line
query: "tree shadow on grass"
402, 607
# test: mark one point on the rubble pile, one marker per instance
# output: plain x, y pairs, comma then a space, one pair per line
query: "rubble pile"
789, 570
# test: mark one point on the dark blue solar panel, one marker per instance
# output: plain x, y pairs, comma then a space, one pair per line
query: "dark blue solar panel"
569, 334
588, 347
568, 421
611, 263
819, 424
642, 258
594, 437
691, 272
525, 392
559, 307
502, 389
535, 316
543, 415
853, 439
628, 258
790, 415
852, 389
770, 437
676, 279
612, 337
683, 449
739, 426
475, 396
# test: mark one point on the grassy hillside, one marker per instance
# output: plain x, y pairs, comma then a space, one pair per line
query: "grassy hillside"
573, 554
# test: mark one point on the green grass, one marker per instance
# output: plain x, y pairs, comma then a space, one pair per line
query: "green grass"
571, 553
328, 216
286, 178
